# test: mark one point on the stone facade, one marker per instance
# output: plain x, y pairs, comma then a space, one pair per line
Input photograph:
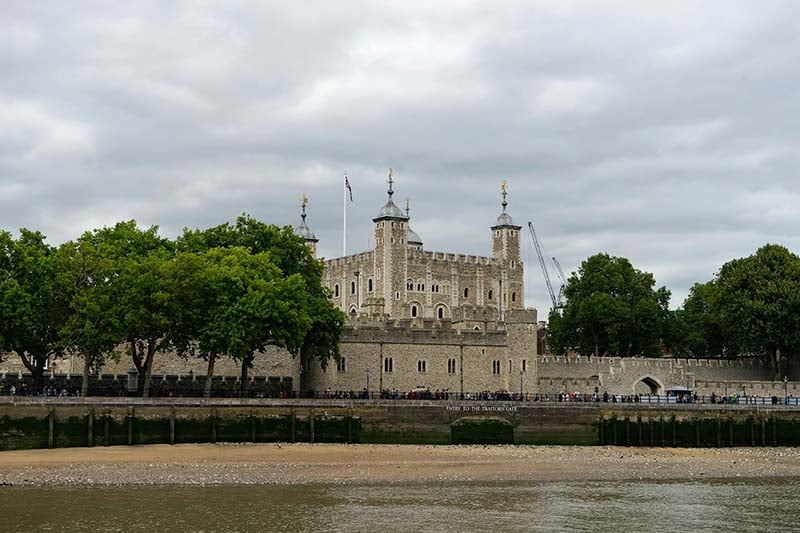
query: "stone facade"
414, 354
399, 279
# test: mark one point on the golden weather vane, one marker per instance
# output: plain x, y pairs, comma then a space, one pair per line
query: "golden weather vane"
304, 199
504, 185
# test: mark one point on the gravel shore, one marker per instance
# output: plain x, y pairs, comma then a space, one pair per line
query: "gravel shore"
246, 464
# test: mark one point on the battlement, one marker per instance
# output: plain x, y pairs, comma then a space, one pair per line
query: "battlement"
744, 362
419, 331
451, 258
350, 259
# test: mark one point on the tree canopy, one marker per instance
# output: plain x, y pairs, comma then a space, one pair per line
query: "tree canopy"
611, 309
227, 291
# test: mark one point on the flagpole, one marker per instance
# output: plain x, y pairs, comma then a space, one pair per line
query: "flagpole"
344, 217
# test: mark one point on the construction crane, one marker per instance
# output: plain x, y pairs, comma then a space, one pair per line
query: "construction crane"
561, 276
556, 300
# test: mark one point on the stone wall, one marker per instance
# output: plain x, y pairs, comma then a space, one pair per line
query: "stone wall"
405, 356
633, 375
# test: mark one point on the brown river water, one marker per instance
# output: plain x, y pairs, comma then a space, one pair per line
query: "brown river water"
742, 505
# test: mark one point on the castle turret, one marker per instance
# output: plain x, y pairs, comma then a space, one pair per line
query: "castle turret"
391, 252
414, 240
506, 251
304, 231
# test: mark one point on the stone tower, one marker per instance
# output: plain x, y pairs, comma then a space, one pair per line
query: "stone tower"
506, 252
304, 231
391, 252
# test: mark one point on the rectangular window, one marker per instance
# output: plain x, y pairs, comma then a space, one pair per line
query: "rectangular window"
341, 364
495, 367
451, 366
388, 364
524, 365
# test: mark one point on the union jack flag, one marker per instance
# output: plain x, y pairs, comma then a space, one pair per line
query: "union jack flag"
347, 186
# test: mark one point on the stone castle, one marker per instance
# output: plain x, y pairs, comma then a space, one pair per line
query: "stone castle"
419, 319
426, 319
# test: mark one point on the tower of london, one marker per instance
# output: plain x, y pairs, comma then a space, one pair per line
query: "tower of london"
429, 319
400, 279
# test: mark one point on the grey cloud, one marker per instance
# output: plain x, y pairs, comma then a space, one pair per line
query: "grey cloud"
660, 132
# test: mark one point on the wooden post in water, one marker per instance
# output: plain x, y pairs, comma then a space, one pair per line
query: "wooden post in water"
696, 423
673, 430
90, 429
730, 431
763, 432
51, 416
213, 425
752, 425
253, 425
311, 426
293, 426
130, 425
601, 430
349, 426
639, 430
661, 442
106, 429
172, 425
774, 431
719, 432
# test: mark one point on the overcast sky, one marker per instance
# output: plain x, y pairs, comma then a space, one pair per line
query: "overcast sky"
665, 132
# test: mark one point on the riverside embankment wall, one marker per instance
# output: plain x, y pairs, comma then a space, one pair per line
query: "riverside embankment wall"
42, 423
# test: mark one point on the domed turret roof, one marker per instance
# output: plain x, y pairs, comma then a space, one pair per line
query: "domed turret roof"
413, 238
505, 220
390, 210
303, 230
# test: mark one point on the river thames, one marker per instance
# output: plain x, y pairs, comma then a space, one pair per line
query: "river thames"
741, 505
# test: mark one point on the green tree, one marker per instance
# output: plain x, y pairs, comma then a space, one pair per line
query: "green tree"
90, 331
759, 304
32, 306
140, 288
234, 303
611, 309
290, 254
701, 332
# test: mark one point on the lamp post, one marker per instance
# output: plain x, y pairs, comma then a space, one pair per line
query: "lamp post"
521, 374
367, 383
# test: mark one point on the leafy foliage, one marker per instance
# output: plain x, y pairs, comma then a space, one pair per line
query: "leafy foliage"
612, 309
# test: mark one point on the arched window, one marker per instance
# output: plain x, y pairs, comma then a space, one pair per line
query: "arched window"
490, 294
409, 284
414, 311
352, 287
353, 310
388, 364
421, 365
513, 296
369, 285
336, 291
440, 313
466, 292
